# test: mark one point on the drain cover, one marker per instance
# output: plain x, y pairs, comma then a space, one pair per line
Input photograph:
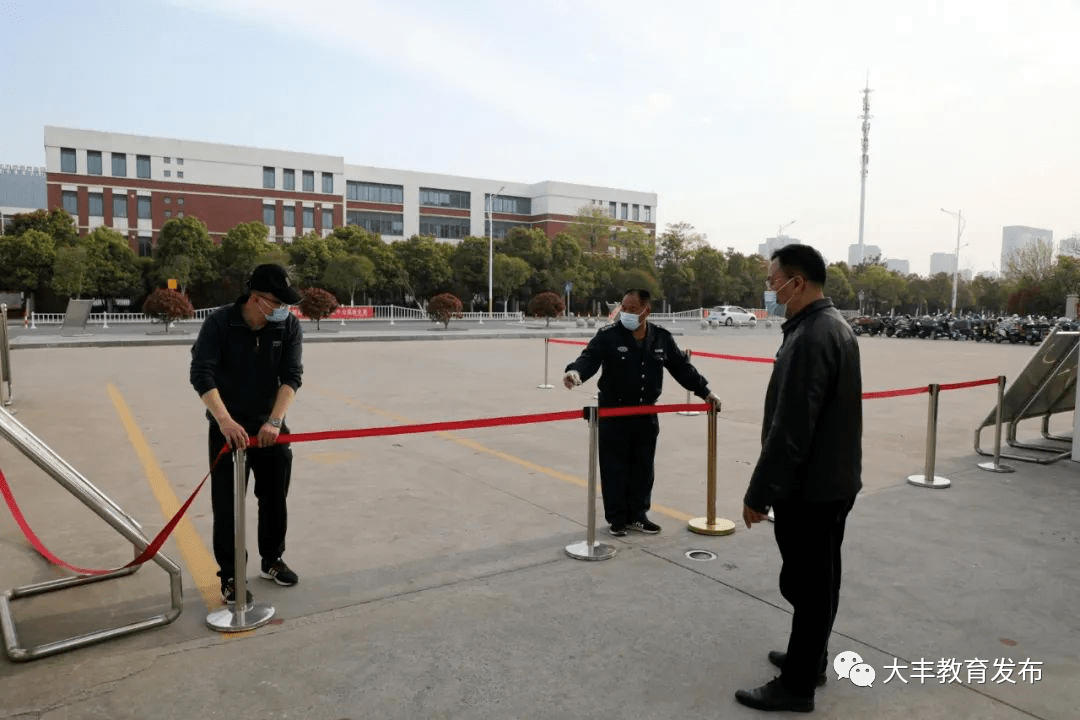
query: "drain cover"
701, 555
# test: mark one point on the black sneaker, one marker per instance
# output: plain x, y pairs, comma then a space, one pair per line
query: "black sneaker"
645, 526
228, 592
279, 572
617, 529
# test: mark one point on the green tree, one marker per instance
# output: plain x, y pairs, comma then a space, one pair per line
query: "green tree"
113, 266
56, 223
709, 268
242, 249
674, 250
426, 263
70, 271
469, 263
511, 274
568, 265
532, 246
837, 286
310, 256
349, 274
185, 252
591, 228
26, 260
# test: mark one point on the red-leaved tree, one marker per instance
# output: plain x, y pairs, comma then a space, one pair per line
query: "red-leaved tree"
317, 303
444, 306
168, 306
546, 305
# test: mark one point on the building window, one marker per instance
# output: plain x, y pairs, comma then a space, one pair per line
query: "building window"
309, 181
625, 214
167, 159
146, 246
179, 161
648, 213
380, 223
142, 166
168, 173
119, 205
67, 160
327, 219
97, 204
636, 214
168, 200
509, 204
93, 162
309, 218
611, 210
431, 197
180, 174
374, 192
444, 228
288, 179
180, 214
328, 183
168, 213
501, 228
179, 201
268, 177
269, 216
71, 202
119, 165
144, 207
290, 216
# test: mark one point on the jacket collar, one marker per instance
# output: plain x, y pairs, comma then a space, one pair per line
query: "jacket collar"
814, 307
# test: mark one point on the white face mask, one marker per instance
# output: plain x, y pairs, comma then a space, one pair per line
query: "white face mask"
771, 306
630, 321
279, 314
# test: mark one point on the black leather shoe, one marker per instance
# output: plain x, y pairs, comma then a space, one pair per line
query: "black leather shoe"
774, 696
777, 658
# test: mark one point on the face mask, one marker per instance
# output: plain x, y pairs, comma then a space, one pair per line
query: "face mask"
630, 321
279, 314
774, 308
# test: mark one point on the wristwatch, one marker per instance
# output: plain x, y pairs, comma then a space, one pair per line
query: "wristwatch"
274, 422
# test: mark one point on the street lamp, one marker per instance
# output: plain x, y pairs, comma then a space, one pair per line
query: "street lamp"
956, 268
491, 249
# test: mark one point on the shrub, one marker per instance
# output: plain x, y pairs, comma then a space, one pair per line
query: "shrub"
444, 306
546, 305
168, 306
317, 304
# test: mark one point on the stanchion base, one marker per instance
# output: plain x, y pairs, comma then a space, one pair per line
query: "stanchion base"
584, 551
998, 467
237, 618
722, 526
937, 483
688, 413
771, 515
544, 387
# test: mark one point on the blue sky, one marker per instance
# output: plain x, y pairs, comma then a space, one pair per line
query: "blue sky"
742, 116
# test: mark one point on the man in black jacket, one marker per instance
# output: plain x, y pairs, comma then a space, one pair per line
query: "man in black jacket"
246, 367
809, 469
632, 354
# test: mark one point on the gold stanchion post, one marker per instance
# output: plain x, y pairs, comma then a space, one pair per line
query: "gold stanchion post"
710, 524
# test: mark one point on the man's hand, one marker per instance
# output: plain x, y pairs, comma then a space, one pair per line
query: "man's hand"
714, 401
234, 433
751, 516
571, 379
268, 435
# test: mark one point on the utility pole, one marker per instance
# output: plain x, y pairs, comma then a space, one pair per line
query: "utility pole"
865, 165
956, 268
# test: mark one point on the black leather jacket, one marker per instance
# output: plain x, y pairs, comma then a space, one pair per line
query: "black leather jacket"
633, 375
811, 435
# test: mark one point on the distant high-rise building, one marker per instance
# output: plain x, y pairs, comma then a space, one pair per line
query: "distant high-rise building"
942, 263
1070, 246
22, 190
773, 244
871, 252
900, 266
1020, 237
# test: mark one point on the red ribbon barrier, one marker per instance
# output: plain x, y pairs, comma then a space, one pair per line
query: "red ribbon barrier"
968, 384
567, 342
741, 358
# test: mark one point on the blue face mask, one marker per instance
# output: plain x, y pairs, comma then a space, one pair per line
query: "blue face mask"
279, 314
630, 321
771, 306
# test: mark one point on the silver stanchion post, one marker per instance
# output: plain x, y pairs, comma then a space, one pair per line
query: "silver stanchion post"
689, 397
5, 357
241, 615
546, 385
710, 524
996, 465
591, 549
928, 479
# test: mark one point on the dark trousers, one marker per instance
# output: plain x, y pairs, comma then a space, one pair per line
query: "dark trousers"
809, 535
627, 446
272, 467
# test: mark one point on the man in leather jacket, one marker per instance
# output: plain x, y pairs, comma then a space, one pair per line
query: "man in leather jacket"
809, 469
632, 354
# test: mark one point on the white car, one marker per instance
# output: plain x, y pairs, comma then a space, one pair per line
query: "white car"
732, 315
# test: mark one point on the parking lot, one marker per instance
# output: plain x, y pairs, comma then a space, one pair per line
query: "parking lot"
433, 577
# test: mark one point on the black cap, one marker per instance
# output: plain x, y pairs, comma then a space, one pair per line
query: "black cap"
274, 279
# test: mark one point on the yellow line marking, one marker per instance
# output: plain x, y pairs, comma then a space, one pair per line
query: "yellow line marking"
473, 445
199, 560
